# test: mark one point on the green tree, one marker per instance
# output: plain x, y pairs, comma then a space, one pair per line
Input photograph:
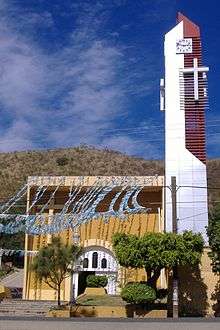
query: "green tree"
138, 293
213, 232
155, 251
13, 241
95, 281
52, 264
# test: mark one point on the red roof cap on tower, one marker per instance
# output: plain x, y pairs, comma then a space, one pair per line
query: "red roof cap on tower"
190, 29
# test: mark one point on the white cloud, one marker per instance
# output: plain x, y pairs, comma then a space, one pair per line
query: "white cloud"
23, 86
16, 137
22, 75
132, 146
32, 19
93, 96
69, 96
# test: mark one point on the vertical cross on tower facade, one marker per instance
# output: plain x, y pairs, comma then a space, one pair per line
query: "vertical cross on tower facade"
185, 143
195, 70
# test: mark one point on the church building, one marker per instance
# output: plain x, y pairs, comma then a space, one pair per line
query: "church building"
89, 210
139, 198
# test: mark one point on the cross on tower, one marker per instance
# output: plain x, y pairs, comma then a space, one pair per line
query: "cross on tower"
195, 70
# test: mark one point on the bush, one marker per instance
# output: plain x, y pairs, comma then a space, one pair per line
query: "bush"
138, 293
162, 293
3, 273
61, 161
94, 281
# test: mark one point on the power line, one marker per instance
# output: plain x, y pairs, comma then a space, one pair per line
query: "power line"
144, 127
192, 216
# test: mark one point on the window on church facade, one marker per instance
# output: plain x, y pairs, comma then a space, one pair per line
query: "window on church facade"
94, 260
85, 263
104, 263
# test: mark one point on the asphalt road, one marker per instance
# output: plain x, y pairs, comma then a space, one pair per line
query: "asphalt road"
106, 324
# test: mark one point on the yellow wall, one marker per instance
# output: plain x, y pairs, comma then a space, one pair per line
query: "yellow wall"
199, 288
96, 233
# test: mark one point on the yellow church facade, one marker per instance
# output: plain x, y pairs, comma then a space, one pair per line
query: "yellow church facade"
94, 235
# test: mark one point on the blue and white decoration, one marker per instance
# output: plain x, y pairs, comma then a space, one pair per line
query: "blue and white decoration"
81, 206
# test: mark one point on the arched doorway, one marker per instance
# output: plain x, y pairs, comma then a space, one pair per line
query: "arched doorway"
95, 260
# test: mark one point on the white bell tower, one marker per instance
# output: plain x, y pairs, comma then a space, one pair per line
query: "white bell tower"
184, 100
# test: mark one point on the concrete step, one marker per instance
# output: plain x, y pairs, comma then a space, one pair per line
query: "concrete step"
20, 307
22, 301
25, 307
31, 304
8, 303
13, 280
22, 311
6, 308
22, 314
33, 308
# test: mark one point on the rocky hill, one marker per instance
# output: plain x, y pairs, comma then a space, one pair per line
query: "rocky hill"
17, 166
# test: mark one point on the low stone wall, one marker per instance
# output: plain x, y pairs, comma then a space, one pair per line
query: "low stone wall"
108, 311
94, 292
5, 292
59, 312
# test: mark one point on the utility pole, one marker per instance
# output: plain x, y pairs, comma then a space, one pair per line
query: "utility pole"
173, 195
75, 241
175, 270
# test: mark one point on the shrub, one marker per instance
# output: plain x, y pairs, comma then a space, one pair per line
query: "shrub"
95, 281
61, 161
138, 293
162, 293
3, 273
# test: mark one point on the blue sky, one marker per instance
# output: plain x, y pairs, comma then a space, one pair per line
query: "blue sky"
82, 71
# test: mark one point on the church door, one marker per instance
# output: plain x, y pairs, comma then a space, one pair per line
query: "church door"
82, 281
98, 261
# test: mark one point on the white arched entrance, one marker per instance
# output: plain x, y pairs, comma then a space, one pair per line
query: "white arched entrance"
95, 260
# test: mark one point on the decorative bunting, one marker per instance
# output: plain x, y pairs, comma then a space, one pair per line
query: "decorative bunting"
7, 252
84, 201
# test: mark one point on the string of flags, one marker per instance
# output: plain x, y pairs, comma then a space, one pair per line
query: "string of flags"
81, 206
21, 253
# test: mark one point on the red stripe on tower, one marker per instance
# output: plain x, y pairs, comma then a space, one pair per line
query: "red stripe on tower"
194, 109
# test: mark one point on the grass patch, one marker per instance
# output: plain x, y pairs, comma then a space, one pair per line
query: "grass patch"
111, 300
3, 273
105, 300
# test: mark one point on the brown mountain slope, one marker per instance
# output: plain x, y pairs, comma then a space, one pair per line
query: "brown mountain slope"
17, 166
83, 160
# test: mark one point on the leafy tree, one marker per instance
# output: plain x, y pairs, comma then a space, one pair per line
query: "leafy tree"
12, 241
138, 293
213, 232
95, 281
52, 263
155, 251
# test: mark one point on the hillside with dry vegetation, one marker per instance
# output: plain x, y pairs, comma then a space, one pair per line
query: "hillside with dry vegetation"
17, 166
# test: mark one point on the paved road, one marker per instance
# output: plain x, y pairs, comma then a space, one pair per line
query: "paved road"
85, 324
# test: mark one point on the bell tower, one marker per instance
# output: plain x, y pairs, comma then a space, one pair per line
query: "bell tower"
184, 100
